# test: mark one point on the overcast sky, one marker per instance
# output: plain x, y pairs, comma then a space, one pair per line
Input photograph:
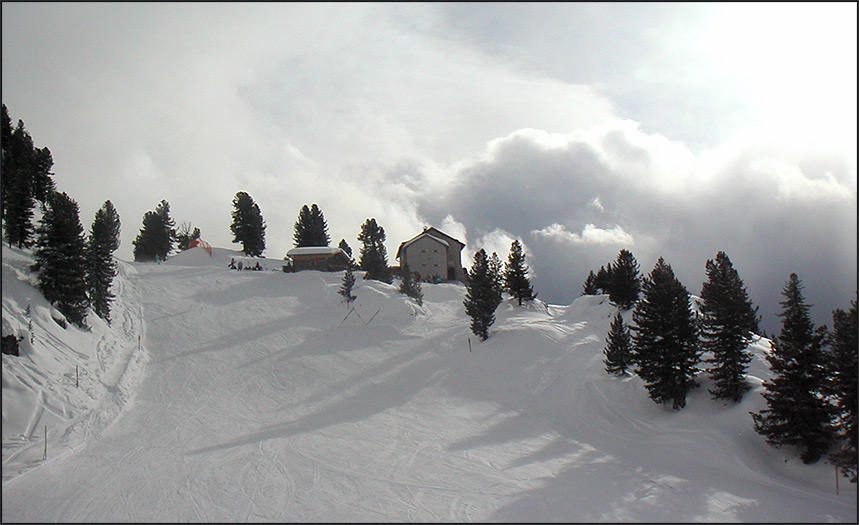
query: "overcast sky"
673, 130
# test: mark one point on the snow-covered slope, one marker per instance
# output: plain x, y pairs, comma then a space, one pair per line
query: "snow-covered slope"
261, 396
72, 382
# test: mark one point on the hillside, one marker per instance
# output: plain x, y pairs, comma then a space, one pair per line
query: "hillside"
259, 396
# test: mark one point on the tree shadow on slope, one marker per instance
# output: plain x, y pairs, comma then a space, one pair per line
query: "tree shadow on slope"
390, 384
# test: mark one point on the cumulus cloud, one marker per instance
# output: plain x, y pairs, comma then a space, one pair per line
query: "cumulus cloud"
657, 198
590, 235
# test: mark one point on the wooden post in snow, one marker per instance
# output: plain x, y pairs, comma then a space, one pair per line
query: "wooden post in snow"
469, 344
77, 384
46, 442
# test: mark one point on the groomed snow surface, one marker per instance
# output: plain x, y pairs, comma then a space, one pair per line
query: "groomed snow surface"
261, 396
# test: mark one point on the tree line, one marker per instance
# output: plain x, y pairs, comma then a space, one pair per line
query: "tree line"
74, 270
811, 396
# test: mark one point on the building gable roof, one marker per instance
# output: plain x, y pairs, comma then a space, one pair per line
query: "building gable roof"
434, 234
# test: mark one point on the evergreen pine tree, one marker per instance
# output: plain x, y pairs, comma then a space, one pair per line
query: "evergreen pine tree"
310, 228
665, 337
624, 283
343, 245
155, 240
410, 287
374, 255
843, 386
797, 412
618, 350
248, 226
26, 172
602, 280
17, 187
590, 285
481, 298
347, 284
43, 183
516, 274
60, 258
101, 267
184, 235
496, 271
728, 324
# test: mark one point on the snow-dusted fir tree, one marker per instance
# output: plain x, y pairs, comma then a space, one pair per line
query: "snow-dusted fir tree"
60, 258
310, 228
347, 284
516, 274
409, 286
481, 297
665, 337
156, 237
624, 282
618, 350
843, 386
374, 255
728, 325
248, 226
797, 412
101, 267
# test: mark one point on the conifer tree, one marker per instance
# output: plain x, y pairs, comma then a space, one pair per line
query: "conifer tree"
481, 298
516, 274
797, 412
374, 255
345, 247
618, 350
60, 258
728, 325
843, 387
624, 283
248, 226
310, 228
602, 280
184, 235
155, 240
590, 285
17, 187
43, 183
496, 271
347, 284
101, 267
665, 337
26, 172
410, 287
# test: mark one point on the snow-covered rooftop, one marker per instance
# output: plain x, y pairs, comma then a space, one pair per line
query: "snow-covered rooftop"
314, 250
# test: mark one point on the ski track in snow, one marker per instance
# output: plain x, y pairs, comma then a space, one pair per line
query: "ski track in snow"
254, 401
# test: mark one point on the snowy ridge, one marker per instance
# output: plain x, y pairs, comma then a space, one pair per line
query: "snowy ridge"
263, 396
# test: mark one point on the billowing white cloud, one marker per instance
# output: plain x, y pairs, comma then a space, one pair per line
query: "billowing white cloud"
590, 235
657, 198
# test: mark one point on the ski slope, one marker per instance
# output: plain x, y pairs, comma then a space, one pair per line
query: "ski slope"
260, 396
